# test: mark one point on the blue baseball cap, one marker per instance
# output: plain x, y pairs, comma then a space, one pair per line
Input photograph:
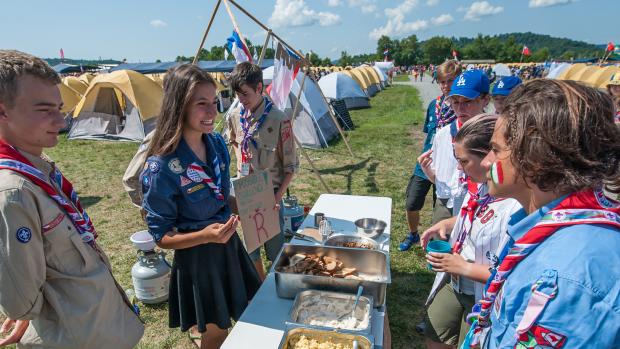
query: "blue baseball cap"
504, 85
470, 84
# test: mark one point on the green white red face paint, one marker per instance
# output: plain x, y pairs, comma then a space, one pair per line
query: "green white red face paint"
497, 174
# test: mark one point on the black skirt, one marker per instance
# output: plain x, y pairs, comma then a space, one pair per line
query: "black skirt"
210, 284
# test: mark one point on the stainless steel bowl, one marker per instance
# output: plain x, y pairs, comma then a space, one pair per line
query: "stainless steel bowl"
352, 241
370, 227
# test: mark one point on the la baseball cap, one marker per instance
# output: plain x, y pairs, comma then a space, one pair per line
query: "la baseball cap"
470, 84
505, 85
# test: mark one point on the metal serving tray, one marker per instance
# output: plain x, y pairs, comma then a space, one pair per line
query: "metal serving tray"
363, 310
373, 266
293, 334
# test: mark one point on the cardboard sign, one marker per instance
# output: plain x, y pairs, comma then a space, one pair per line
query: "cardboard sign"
255, 201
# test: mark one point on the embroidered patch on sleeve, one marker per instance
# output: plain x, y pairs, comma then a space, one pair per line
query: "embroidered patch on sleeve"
23, 235
540, 337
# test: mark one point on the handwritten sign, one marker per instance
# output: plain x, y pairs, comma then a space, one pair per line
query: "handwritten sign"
255, 201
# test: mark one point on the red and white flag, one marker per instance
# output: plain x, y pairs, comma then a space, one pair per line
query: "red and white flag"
455, 54
610, 46
286, 65
238, 48
525, 51
62, 54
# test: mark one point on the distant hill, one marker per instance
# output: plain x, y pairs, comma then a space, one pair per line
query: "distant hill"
557, 46
55, 61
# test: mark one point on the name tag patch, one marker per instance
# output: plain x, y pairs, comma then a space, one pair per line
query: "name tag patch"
23, 235
195, 188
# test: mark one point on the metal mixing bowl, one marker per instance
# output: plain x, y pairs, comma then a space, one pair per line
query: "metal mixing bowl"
342, 240
370, 227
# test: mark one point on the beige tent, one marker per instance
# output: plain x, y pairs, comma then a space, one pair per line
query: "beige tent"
584, 74
602, 76
574, 69
86, 78
70, 98
122, 105
75, 84
371, 87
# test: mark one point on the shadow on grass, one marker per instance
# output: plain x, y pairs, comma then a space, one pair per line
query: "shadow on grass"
346, 171
88, 201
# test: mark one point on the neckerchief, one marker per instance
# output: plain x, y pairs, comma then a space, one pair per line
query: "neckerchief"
11, 159
245, 126
196, 173
443, 112
476, 203
585, 207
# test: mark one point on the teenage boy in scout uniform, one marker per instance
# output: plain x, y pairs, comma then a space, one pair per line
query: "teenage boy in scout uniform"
56, 285
262, 137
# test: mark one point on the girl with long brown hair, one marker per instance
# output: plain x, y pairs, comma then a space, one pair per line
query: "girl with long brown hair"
186, 186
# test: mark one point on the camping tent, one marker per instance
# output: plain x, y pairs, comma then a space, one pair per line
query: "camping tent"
75, 84
70, 99
556, 69
565, 75
382, 76
602, 76
584, 74
86, 78
341, 86
313, 125
372, 76
371, 88
122, 105
359, 79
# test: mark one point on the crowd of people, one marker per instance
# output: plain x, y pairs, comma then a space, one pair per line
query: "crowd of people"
521, 197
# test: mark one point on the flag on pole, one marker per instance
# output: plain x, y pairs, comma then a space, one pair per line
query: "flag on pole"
255, 57
525, 51
385, 54
238, 48
610, 47
455, 54
81, 68
62, 54
286, 65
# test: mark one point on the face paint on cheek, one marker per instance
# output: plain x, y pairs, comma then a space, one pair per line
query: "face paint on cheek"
497, 174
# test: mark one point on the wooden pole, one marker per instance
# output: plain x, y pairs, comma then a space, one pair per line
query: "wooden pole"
264, 48
267, 28
204, 37
234, 21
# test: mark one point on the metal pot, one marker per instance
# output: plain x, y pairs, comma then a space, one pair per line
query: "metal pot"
352, 241
370, 227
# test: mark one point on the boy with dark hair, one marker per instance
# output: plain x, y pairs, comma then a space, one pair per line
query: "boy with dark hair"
262, 137
56, 284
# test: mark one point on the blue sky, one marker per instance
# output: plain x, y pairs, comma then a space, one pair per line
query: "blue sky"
143, 31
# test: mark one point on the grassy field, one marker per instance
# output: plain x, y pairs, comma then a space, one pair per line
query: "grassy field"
403, 77
385, 142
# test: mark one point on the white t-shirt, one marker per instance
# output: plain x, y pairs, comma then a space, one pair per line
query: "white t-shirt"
444, 164
483, 244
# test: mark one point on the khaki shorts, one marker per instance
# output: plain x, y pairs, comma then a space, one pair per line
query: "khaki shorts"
441, 211
446, 316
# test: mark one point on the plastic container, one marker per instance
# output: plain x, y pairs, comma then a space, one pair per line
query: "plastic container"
143, 241
438, 246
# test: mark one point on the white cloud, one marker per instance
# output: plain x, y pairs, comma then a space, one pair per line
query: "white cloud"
158, 23
367, 6
444, 19
547, 3
432, 2
333, 3
396, 24
295, 13
480, 9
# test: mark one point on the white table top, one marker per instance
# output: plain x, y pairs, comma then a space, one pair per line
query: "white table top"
262, 325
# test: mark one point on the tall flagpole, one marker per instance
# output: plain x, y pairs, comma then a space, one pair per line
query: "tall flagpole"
234, 21
204, 37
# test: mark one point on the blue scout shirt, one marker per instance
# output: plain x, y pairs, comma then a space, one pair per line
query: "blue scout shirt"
430, 126
173, 200
584, 262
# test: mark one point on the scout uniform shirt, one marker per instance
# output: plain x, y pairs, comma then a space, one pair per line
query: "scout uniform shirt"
131, 178
275, 146
51, 277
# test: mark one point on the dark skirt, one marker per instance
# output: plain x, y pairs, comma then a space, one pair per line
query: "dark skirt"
210, 284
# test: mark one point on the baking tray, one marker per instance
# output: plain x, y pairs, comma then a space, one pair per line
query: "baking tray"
293, 334
363, 310
373, 266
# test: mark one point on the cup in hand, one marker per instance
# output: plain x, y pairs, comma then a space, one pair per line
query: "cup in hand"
438, 246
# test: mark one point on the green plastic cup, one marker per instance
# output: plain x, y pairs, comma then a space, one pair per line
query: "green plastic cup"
438, 246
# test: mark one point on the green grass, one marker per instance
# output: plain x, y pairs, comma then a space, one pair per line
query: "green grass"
403, 77
385, 143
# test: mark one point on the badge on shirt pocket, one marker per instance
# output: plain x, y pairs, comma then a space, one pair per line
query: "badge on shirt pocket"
195, 188
540, 337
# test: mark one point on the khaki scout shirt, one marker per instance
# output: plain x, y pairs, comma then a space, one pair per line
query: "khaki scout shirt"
275, 144
131, 178
53, 278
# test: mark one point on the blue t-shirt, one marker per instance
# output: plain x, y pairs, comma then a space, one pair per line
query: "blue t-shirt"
172, 199
583, 261
430, 126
